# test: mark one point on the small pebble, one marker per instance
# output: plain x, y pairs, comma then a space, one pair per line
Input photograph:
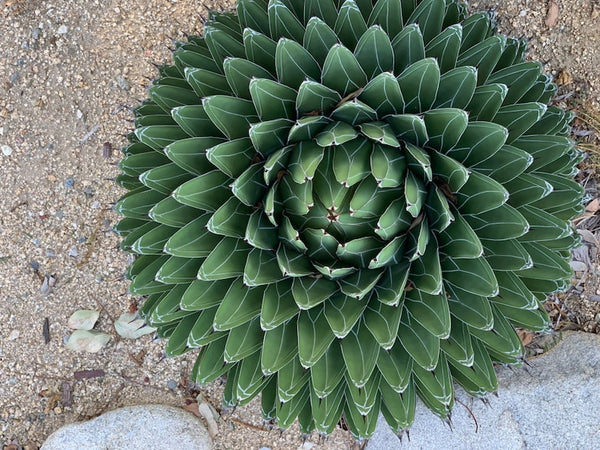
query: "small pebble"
14, 77
99, 279
96, 205
69, 183
14, 334
60, 214
88, 192
123, 83
172, 385
35, 33
6, 150
34, 265
62, 29
79, 114
50, 253
36, 242
81, 240
73, 253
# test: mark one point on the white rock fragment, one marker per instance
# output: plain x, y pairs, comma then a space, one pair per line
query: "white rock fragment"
14, 335
84, 319
133, 427
90, 341
62, 29
130, 326
6, 150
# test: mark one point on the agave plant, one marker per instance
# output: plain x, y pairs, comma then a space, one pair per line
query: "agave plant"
348, 204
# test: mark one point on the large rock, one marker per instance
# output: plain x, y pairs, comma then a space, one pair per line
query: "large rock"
553, 402
135, 427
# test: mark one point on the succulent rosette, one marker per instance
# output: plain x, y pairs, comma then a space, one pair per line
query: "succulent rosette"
348, 204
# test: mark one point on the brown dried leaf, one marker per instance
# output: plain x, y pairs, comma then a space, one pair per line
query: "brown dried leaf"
526, 336
552, 15
593, 206
86, 374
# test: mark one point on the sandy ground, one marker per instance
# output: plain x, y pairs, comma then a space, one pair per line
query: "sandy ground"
69, 74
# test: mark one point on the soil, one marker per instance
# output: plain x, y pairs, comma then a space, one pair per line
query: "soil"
69, 74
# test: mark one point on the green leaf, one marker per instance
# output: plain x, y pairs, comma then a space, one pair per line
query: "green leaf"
202, 295
374, 52
459, 346
283, 22
208, 191
419, 85
261, 268
426, 273
227, 260
304, 160
191, 154
473, 310
243, 341
409, 127
309, 292
169, 97
364, 398
178, 270
486, 101
278, 306
383, 94
319, 37
445, 47
342, 72
232, 157
394, 221
519, 118
420, 344
456, 89
408, 47
159, 136
398, 409
480, 194
360, 351
314, 336
280, 346
328, 371
233, 116
222, 44
360, 283
252, 14
249, 379
475, 29
383, 321
475, 275
194, 121
240, 304
170, 212
387, 14
519, 78
290, 380
249, 187
294, 64
230, 219
206, 82
260, 233
143, 275
504, 222
202, 332
478, 379
327, 411
314, 98
350, 24
270, 135
210, 365
547, 265
483, 56
293, 263
527, 189
459, 240
351, 162
505, 165
336, 133
359, 252
439, 212
414, 194
137, 205
342, 313
502, 342
306, 129
165, 178
429, 15
445, 126
354, 112
380, 132
395, 364
388, 166
260, 49
239, 73
435, 387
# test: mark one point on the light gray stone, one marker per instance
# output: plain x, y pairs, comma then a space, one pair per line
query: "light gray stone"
553, 402
145, 427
